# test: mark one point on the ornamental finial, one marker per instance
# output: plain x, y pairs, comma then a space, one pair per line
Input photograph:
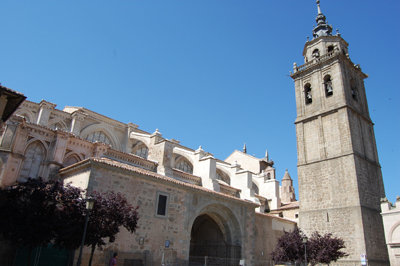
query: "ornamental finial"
319, 8
322, 28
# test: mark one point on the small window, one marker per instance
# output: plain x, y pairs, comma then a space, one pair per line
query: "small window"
162, 204
296, 215
354, 91
330, 48
307, 93
328, 86
281, 215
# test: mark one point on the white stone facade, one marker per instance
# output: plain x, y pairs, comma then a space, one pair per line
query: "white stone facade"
391, 222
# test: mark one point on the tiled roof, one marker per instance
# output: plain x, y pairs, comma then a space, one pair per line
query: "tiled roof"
116, 164
288, 206
10, 90
275, 217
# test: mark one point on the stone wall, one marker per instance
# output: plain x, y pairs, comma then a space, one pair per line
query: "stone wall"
268, 229
185, 204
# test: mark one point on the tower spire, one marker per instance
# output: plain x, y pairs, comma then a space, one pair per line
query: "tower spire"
319, 8
322, 28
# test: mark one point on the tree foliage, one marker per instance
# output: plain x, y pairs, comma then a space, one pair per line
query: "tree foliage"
110, 212
36, 213
290, 247
320, 248
325, 248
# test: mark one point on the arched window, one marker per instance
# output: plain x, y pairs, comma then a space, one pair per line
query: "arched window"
183, 164
34, 157
254, 187
98, 136
331, 48
307, 93
223, 177
315, 53
328, 86
70, 160
140, 149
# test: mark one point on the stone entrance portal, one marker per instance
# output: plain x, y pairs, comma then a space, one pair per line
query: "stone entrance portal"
211, 241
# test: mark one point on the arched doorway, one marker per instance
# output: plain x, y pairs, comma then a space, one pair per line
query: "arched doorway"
211, 241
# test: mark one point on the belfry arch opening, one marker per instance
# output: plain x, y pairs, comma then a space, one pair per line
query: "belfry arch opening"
211, 239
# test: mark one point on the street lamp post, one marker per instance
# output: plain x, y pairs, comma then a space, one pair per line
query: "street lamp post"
305, 249
89, 207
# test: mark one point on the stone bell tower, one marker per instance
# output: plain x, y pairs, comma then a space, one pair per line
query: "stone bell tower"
340, 179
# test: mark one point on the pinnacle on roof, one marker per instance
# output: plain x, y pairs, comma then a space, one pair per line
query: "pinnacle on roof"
244, 148
322, 28
286, 176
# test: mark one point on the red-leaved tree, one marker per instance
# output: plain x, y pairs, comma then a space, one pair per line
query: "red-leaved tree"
110, 212
325, 248
290, 247
320, 249
33, 212
36, 213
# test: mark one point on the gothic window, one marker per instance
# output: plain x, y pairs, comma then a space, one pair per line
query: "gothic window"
254, 187
58, 126
330, 48
268, 176
223, 177
183, 165
307, 93
328, 86
142, 152
98, 136
70, 160
34, 157
315, 53
140, 149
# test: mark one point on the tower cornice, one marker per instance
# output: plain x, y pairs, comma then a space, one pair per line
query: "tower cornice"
299, 71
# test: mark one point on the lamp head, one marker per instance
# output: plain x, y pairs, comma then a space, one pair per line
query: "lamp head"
89, 203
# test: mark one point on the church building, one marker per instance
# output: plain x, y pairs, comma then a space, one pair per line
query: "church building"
191, 204
194, 207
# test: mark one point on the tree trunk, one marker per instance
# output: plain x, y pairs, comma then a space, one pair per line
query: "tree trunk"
29, 256
91, 254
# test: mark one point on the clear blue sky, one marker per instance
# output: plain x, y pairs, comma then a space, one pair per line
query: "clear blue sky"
210, 73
